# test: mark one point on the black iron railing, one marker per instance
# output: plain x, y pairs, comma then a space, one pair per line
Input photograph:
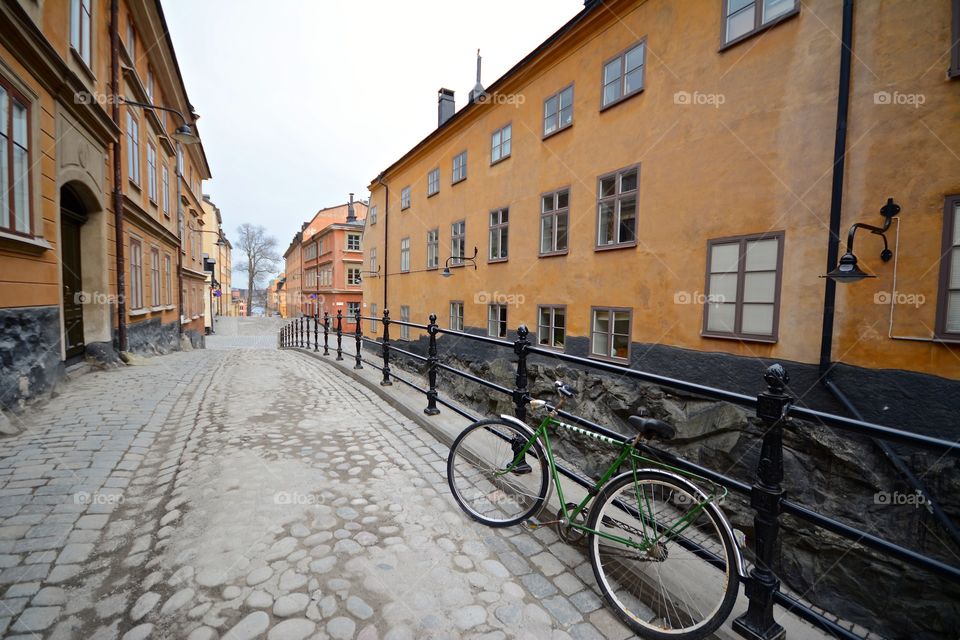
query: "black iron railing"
773, 406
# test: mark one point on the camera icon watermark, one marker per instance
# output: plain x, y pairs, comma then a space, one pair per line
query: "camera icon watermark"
914, 100
496, 297
95, 297
698, 298
898, 499
515, 99
288, 498
916, 300
696, 98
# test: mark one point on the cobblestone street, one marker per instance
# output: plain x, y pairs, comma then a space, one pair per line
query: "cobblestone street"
243, 492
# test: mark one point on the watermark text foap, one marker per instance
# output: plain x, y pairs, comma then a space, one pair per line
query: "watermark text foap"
698, 298
899, 499
496, 297
914, 100
96, 297
696, 98
289, 498
515, 99
916, 300
97, 497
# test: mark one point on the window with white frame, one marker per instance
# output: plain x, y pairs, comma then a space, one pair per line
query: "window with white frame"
552, 326
373, 260
433, 248
353, 276
151, 172
131, 40
456, 315
150, 85
499, 227
558, 111
310, 278
353, 242
404, 198
133, 148
136, 274
617, 195
353, 310
458, 242
623, 75
744, 17
459, 168
500, 142
310, 251
168, 277
165, 189
405, 254
373, 318
497, 320
15, 209
948, 301
155, 277
80, 29
554, 214
404, 317
373, 214
433, 182
610, 333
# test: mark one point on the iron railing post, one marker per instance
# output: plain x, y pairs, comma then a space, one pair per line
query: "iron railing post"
283, 336
385, 349
765, 498
359, 337
300, 331
339, 334
432, 330
316, 332
326, 333
520, 397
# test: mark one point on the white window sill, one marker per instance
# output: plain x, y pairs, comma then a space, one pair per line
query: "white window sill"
158, 308
138, 312
169, 307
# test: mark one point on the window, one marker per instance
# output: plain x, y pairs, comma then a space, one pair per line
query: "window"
610, 333
456, 316
404, 198
500, 144
353, 310
558, 111
497, 320
155, 277
133, 148
743, 287
617, 207
499, 220
165, 186
552, 327
459, 168
373, 318
405, 254
185, 311
322, 247
80, 29
14, 162
353, 242
373, 215
433, 182
623, 75
433, 248
136, 274
404, 317
948, 302
150, 85
458, 242
152, 172
954, 71
353, 276
168, 276
310, 278
310, 251
373, 259
131, 40
741, 17
554, 211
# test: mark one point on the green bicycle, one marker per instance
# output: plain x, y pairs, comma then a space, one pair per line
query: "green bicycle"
664, 555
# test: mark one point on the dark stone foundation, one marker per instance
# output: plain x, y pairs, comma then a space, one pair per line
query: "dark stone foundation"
30, 362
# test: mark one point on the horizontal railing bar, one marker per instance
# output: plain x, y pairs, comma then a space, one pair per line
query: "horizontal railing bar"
478, 338
473, 378
816, 619
415, 356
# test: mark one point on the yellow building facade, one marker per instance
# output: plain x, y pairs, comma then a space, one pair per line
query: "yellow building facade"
653, 185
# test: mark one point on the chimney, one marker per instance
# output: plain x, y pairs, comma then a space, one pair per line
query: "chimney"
351, 214
445, 106
477, 93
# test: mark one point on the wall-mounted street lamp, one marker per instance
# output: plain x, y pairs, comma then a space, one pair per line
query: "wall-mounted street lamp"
472, 260
184, 134
847, 269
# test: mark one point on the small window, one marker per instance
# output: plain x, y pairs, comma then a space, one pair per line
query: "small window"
433, 248
742, 18
353, 276
610, 333
743, 287
456, 316
623, 75
373, 318
404, 198
558, 111
459, 168
948, 302
131, 40
373, 214
136, 274
150, 85
554, 212
165, 187
500, 144
168, 276
433, 182
133, 148
405, 254
497, 320
155, 277
617, 208
404, 317
15, 208
373, 260
954, 71
552, 327
152, 172
353, 242
353, 310
80, 29
458, 242
499, 221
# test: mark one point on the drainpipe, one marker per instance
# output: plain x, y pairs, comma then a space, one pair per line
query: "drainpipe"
386, 243
117, 174
181, 231
836, 192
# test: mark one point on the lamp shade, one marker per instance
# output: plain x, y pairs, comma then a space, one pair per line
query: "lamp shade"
847, 270
186, 135
446, 272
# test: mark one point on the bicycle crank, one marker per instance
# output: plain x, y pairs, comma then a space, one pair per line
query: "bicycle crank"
569, 534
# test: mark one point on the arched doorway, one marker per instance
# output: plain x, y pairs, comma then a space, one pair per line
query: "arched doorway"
73, 215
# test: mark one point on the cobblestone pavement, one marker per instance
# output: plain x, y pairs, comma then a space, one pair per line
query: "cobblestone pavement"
254, 493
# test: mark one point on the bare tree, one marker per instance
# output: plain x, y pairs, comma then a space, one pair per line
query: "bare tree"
258, 257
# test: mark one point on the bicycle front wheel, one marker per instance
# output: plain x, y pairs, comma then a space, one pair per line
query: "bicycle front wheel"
490, 480
663, 557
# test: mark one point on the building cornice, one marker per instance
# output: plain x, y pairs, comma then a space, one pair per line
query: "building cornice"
135, 213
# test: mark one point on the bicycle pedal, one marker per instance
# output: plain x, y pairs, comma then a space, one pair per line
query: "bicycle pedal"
531, 525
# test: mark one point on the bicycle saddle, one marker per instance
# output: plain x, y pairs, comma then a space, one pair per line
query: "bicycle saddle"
565, 390
653, 428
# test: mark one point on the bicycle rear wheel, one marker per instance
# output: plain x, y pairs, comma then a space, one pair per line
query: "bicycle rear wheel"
664, 559
486, 481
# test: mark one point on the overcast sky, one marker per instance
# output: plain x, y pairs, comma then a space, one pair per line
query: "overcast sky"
308, 100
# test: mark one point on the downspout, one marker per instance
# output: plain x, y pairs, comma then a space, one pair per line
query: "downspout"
117, 174
181, 231
830, 292
386, 229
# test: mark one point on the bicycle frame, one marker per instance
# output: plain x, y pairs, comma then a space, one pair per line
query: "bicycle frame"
627, 452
